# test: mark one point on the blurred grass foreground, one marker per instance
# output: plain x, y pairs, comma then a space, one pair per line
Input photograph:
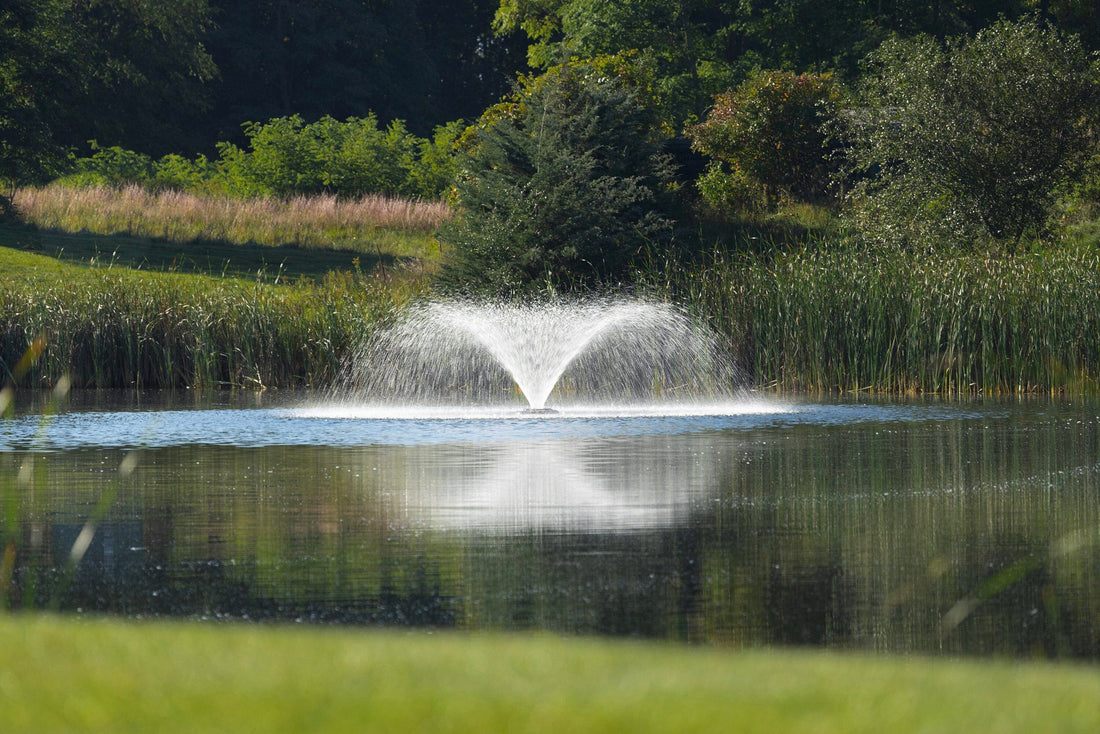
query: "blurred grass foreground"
107, 675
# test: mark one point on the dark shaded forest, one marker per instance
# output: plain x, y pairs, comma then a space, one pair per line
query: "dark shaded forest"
161, 76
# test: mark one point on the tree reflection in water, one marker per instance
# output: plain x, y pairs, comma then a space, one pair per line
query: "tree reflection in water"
946, 535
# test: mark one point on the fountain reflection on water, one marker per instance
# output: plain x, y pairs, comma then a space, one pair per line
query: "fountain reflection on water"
561, 486
844, 523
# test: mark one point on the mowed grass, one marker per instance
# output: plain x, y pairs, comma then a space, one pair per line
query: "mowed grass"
60, 674
202, 257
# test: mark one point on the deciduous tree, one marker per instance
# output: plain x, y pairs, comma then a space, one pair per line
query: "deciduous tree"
772, 129
121, 71
959, 140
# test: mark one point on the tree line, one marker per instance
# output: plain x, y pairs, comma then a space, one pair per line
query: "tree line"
926, 123
169, 77
162, 76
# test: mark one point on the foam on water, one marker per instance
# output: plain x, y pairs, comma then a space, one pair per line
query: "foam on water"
346, 411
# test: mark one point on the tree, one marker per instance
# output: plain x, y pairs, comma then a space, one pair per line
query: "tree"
682, 43
772, 130
697, 48
147, 70
120, 71
424, 61
32, 46
476, 67
314, 58
965, 139
563, 186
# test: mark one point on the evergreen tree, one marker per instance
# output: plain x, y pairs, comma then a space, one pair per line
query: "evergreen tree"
562, 188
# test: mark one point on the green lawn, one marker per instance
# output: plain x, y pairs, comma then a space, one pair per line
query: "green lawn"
60, 674
209, 257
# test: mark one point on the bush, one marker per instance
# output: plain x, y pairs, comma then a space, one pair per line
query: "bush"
288, 156
770, 131
176, 172
562, 187
113, 166
353, 157
967, 140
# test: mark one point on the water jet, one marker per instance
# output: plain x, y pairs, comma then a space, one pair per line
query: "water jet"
597, 351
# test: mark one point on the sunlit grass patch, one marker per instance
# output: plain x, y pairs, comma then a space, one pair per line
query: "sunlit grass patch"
370, 224
63, 674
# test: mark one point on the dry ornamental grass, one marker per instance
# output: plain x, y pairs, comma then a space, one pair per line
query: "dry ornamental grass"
321, 220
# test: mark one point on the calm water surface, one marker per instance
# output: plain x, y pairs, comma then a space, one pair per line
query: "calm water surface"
959, 527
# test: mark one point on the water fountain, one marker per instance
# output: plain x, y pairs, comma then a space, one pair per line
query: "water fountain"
596, 351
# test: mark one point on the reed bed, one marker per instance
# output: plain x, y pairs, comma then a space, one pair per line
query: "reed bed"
303, 221
112, 328
845, 319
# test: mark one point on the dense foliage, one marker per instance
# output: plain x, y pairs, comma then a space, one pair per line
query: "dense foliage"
113, 69
287, 156
770, 133
563, 187
968, 122
702, 47
423, 61
967, 140
174, 77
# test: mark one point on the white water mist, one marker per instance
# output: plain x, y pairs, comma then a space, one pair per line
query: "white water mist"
595, 351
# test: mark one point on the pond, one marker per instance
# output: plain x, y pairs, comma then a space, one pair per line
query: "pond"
967, 527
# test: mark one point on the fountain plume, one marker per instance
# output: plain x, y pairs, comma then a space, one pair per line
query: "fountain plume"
596, 350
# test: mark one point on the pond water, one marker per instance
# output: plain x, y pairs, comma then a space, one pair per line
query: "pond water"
959, 527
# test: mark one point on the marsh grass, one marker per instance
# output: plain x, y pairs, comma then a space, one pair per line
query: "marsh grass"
821, 319
800, 309
110, 327
372, 224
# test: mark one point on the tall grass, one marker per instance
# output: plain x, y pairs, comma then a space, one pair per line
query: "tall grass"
109, 328
363, 224
846, 319
814, 317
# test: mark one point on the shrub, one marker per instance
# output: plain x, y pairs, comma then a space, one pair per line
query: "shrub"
968, 139
176, 172
287, 156
771, 131
113, 166
351, 158
561, 187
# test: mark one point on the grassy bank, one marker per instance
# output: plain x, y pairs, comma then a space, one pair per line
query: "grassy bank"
106, 326
810, 320
216, 302
63, 675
